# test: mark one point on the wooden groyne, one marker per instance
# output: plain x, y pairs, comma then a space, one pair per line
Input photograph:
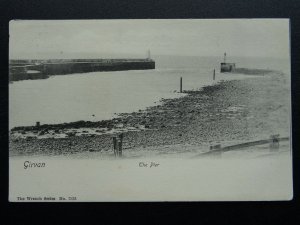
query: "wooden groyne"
273, 142
42, 69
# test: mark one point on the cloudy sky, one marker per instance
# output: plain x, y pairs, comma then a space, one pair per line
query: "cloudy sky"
110, 38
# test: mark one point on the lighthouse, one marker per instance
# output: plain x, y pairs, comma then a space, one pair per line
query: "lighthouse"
149, 55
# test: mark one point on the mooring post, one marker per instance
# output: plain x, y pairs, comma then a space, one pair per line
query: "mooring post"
37, 124
115, 146
214, 77
274, 143
180, 84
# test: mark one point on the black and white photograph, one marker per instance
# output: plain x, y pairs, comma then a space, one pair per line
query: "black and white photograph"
127, 110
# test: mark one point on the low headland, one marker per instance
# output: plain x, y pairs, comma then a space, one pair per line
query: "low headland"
232, 111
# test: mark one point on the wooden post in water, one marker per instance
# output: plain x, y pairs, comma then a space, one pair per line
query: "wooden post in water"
214, 77
180, 84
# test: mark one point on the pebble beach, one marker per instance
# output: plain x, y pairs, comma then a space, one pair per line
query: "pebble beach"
232, 111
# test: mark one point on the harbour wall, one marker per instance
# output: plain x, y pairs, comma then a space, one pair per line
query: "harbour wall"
42, 69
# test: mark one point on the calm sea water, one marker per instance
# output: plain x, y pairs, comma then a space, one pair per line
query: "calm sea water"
101, 95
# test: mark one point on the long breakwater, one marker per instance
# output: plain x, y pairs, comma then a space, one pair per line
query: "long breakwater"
42, 69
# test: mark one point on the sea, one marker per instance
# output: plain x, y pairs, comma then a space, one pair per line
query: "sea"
103, 95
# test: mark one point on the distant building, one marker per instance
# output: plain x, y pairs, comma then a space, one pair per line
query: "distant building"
227, 67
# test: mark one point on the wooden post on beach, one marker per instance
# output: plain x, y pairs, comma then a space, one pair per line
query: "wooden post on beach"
215, 147
274, 143
115, 146
216, 150
120, 144
180, 84
37, 124
214, 77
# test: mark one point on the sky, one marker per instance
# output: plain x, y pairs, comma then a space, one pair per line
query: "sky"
182, 37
